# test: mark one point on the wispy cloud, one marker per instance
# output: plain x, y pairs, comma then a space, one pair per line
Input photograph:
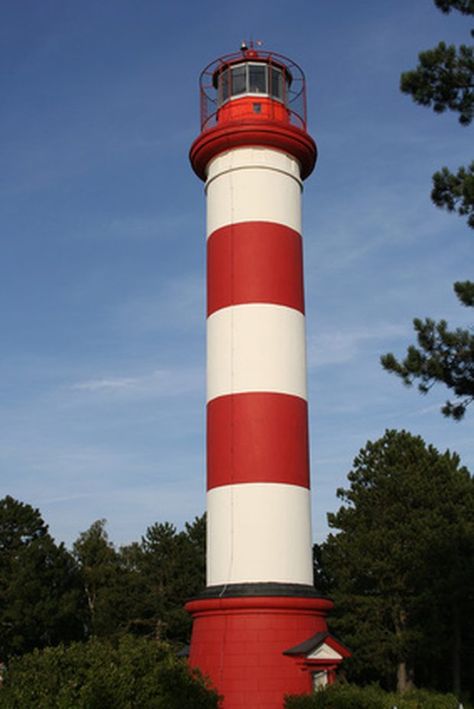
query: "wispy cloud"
109, 384
162, 226
426, 409
340, 346
160, 382
74, 486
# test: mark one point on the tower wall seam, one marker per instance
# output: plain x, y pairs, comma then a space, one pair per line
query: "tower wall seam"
256, 347
259, 262
261, 532
257, 437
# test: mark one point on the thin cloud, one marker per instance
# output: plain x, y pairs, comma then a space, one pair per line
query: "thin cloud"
162, 227
109, 384
60, 499
160, 382
426, 409
341, 346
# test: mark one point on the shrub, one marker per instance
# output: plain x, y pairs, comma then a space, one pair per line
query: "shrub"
344, 696
134, 674
347, 696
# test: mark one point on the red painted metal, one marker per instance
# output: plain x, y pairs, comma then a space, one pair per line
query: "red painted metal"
251, 118
252, 132
294, 98
239, 643
259, 108
257, 437
254, 262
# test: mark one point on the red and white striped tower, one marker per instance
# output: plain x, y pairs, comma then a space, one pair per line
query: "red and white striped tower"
260, 613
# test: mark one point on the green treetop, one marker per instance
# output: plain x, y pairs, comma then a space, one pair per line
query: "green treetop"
444, 80
41, 599
400, 564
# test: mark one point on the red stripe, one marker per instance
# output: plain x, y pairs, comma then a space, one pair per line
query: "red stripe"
257, 437
254, 262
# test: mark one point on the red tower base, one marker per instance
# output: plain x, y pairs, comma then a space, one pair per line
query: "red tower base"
241, 645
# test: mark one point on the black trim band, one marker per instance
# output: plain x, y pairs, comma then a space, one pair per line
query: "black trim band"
238, 590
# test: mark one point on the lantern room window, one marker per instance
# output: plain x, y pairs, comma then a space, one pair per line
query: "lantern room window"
252, 78
239, 80
276, 83
257, 79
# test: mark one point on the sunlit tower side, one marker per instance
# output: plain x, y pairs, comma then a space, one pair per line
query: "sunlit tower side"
259, 628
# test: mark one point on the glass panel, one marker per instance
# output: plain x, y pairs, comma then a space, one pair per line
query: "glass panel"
276, 86
238, 79
257, 78
224, 86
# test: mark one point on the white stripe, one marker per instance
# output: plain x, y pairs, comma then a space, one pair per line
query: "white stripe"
259, 532
253, 184
256, 347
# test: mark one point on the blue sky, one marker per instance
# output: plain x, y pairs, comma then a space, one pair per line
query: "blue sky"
102, 244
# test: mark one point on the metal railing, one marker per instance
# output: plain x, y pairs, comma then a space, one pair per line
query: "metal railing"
294, 93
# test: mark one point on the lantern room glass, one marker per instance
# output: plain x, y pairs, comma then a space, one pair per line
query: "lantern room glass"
251, 78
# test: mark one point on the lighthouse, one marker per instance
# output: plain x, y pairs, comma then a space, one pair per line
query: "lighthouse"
259, 627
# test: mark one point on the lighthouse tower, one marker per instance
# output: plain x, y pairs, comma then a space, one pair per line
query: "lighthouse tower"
259, 628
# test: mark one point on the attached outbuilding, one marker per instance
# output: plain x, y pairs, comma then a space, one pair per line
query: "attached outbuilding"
320, 655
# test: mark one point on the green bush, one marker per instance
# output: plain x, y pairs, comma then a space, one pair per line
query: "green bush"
134, 674
347, 696
340, 697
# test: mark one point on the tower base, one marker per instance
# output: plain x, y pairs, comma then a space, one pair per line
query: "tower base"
241, 643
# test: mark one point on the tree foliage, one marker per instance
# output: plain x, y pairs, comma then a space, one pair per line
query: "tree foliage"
133, 674
105, 582
141, 588
172, 568
347, 696
444, 80
49, 596
455, 191
41, 601
401, 564
442, 356
464, 6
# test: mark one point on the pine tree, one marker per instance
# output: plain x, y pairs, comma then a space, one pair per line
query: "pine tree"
104, 579
41, 600
442, 356
444, 80
400, 564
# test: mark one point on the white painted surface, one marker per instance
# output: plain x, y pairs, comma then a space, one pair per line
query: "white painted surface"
325, 652
253, 184
259, 532
320, 680
256, 347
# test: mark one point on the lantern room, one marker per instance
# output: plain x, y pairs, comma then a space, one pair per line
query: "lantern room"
253, 98
252, 84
